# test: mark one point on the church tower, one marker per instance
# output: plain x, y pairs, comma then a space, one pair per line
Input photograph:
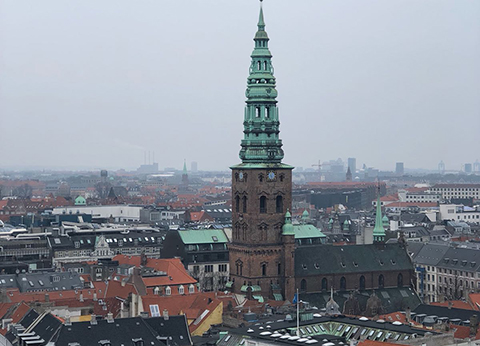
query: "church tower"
261, 187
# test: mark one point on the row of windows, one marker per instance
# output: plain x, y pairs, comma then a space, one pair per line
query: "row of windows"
361, 283
263, 204
181, 290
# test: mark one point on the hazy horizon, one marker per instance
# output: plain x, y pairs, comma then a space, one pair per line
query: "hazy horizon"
96, 84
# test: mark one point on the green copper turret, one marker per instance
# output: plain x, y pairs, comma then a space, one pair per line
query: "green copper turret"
261, 143
378, 231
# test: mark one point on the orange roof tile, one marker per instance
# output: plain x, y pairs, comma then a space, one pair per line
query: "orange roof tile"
176, 272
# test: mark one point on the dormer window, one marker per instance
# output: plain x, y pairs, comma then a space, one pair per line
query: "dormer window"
168, 291
355, 264
393, 262
181, 289
343, 264
138, 342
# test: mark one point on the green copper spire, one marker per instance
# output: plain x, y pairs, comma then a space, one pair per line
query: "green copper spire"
378, 231
184, 166
261, 21
261, 143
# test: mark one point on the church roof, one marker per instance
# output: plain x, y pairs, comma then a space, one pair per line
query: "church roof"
311, 260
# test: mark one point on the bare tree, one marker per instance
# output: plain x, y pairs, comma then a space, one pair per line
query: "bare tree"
23, 191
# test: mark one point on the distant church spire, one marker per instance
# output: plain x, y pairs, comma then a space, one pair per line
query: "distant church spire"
348, 176
378, 231
261, 143
185, 175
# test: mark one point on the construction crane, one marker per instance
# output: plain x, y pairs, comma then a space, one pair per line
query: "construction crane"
319, 165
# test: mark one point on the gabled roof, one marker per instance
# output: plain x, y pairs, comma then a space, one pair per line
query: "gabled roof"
176, 272
310, 260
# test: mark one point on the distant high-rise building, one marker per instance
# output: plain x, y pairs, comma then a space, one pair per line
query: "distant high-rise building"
468, 168
194, 166
352, 164
441, 167
399, 169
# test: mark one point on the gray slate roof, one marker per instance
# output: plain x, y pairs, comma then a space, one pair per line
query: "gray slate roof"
331, 259
427, 254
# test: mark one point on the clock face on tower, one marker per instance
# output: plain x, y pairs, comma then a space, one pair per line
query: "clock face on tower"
271, 175
240, 175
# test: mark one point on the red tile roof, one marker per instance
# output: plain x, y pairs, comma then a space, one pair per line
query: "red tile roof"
176, 272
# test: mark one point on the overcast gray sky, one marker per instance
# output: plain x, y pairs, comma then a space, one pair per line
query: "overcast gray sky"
96, 83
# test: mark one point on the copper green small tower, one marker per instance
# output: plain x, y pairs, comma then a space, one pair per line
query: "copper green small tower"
378, 230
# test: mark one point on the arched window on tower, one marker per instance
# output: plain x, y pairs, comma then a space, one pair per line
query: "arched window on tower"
324, 284
343, 283
303, 285
265, 65
259, 65
264, 269
237, 204
263, 204
244, 204
362, 283
267, 112
279, 204
257, 112
400, 280
279, 269
381, 281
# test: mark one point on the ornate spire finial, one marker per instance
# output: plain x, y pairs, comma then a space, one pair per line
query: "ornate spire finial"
261, 21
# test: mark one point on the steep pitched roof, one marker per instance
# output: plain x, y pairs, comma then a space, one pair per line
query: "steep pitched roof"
310, 260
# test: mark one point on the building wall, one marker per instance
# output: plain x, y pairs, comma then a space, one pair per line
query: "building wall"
256, 251
314, 283
118, 212
215, 317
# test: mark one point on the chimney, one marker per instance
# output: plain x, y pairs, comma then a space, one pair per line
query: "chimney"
450, 304
109, 317
67, 320
47, 298
408, 314
81, 296
165, 314
93, 321
95, 296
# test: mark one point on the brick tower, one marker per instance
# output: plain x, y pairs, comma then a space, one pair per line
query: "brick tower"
261, 254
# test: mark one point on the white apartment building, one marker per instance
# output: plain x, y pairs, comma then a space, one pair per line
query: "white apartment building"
457, 190
459, 212
120, 213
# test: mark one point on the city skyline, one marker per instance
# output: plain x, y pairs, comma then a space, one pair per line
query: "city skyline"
101, 85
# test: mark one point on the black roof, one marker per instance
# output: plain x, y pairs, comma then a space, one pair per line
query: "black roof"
310, 260
444, 311
119, 332
392, 299
175, 328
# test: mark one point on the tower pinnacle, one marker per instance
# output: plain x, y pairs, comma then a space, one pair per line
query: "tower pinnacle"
261, 143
